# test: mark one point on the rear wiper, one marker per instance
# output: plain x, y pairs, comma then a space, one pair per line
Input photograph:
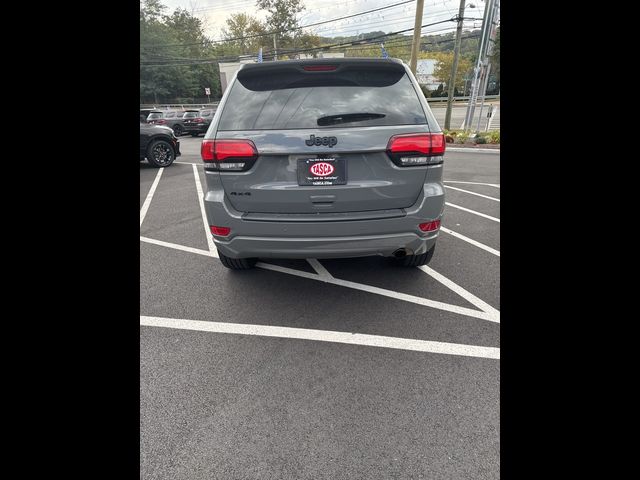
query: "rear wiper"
348, 117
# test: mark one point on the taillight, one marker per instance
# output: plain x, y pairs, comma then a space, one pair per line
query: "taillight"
416, 149
198, 120
228, 155
160, 122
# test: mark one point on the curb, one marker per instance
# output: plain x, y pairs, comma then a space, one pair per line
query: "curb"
473, 150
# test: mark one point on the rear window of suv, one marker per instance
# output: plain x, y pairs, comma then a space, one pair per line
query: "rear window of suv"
154, 116
190, 115
352, 100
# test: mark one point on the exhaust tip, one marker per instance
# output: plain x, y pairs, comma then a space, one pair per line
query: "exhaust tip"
400, 253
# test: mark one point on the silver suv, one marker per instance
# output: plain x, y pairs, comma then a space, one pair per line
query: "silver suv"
324, 158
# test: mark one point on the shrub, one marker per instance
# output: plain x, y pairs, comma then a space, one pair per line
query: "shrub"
494, 136
462, 137
480, 140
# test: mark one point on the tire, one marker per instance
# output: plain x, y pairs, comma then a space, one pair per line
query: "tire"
178, 130
417, 260
160, 153
237, 263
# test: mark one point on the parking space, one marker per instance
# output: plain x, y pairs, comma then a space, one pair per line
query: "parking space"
349, 368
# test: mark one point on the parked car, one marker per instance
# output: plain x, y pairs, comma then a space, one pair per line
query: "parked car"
197, 121
324, 158
158, 144
144, 113
172, 119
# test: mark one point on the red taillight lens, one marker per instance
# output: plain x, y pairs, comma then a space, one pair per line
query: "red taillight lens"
429, 226
424, 143
319, 68
228, 155
234, 149
206, 150
220, 231
161, 122
198, 120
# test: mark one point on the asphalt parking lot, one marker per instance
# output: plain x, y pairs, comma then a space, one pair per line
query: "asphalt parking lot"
350, 368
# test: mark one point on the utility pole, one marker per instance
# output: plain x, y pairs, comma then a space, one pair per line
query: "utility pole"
275, 49
479, 68
417, 30
454, 67
488, 52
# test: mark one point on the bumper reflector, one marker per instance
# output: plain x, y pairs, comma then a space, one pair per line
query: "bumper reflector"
220, 231
429, 226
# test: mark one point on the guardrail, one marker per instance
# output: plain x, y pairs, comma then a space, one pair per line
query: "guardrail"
462, 99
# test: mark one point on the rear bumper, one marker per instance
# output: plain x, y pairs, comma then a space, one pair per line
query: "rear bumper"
320, 247
196, 128
323, 239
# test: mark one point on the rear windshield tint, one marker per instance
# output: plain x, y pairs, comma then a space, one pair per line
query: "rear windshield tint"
190, 115
154, 116
387, 99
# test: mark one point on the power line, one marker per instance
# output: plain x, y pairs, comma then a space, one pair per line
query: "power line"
363, 41
279, 31
368, 43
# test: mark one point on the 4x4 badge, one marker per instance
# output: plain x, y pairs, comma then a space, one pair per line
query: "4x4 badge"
319, 141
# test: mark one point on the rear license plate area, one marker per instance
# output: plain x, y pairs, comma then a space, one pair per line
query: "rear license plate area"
322, 171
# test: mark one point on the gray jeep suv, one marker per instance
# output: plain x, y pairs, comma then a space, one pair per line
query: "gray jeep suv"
324, 158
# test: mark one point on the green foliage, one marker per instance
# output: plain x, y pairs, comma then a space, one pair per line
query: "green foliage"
443, 68
244, 25
167, 40
461, 137
495, 57
480, 140
494, 136
282, 18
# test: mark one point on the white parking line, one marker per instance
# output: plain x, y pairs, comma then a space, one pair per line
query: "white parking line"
212, 248
319, 268
489, 315
473, 183
473, 211
471, 241
473, 193
468, 296
483, 315
176, 246
147, 201
324, 336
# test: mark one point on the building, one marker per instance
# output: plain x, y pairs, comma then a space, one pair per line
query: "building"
424, 73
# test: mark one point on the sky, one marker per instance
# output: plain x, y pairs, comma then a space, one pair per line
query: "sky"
215, 12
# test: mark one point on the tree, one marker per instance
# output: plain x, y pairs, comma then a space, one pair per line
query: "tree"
495, 58
241, 25
165, 42
282, 18
443, 68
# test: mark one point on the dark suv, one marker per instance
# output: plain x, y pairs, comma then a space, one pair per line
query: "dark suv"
197, 121
324, 158
172, 119
158, 145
